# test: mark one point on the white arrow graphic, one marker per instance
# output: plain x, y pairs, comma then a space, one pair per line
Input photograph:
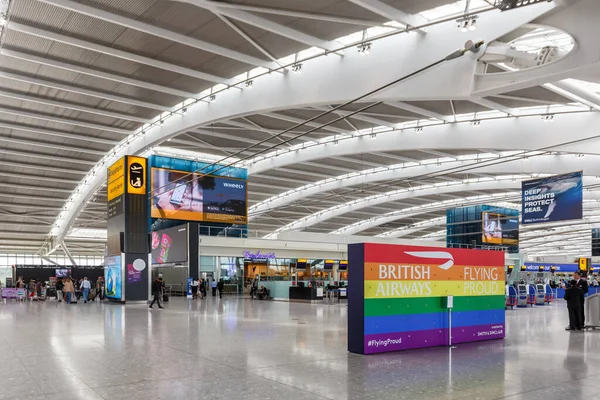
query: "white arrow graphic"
443, 255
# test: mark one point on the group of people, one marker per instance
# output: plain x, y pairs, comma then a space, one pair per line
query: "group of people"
575, 297
66, 290
261, 294
200, 287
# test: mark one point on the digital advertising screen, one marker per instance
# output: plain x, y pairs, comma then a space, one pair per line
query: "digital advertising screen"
196, 197
500, 228
62, 272
170, 245
555, 198
113, 277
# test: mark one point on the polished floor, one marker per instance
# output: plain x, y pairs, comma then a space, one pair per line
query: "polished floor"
244, 349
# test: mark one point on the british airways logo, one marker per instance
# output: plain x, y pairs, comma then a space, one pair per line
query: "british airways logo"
438, 255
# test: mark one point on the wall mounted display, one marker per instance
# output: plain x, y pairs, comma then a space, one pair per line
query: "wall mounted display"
499, 229
398, 296
189, 196
555, 198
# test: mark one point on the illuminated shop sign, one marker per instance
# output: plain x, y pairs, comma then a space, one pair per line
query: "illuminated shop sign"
258, 256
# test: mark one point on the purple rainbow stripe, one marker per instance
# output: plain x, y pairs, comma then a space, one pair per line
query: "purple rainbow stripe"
386, 342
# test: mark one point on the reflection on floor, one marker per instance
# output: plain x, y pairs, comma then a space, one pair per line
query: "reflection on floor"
244, 349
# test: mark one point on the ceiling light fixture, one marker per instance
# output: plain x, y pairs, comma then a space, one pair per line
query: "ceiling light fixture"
364, 49
297, 68
419, 129
475, 123
249, 84
212, 98
548, 117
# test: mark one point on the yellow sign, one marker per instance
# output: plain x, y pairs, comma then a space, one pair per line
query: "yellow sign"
402, 289
583, 264
136, 175
116, 179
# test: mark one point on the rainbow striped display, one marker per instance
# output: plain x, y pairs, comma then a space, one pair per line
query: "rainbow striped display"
397, 296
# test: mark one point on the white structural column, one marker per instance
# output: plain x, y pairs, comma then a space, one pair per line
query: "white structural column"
485, 164
528, 133
157, 31
324, 81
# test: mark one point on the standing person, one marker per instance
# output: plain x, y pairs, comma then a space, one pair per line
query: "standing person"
220, 286
38, 288
194, 289
69, 290
59, 289
85, 289
20, 283
99, 288
574, 298
213, 285
583, 285
254, 288
202, 286
157, 288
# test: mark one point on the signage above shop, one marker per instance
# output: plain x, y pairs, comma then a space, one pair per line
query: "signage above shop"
258, 256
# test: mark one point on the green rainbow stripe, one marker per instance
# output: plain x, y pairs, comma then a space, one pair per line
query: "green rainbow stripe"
426, 305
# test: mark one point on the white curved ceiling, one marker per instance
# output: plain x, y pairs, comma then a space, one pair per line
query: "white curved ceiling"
84, 83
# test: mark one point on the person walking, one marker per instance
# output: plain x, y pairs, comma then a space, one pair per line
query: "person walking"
574, 298
69, 290
220, 287
213, 286
59, 289
157, 288
202, 286
86, 285
99, 289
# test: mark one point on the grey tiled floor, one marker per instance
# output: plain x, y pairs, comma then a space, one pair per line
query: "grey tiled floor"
243, 349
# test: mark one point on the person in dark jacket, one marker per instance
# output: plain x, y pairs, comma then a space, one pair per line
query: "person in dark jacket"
220, 287
59, 289
574, 298
583, 285
157, 288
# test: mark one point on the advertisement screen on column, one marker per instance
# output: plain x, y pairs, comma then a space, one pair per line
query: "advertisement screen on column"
170, 245
113, 277
197, 197
555, 198
500, 228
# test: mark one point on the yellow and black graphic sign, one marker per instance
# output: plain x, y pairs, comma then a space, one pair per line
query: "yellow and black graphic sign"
116, 179
136, 172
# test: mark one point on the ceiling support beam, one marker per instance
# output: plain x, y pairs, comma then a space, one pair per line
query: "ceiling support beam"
393, 14
51, 157
47, 132
397, 158
66, 121
297, 14
97, 73
438, 153
82, 91
68, 253
110, 51
249, 39
158, 32
265, 24
418, 110
70, 106
492, 105
44, 145
300, 121
42, 168
575, 93
360, 117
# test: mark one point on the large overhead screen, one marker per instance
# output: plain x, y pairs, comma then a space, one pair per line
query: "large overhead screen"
197, 197
555, 198
500, 229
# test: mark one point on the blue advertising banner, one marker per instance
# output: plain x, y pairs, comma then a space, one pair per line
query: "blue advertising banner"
555, 198
113, 277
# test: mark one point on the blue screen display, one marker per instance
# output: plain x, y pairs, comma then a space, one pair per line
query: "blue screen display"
113, 277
